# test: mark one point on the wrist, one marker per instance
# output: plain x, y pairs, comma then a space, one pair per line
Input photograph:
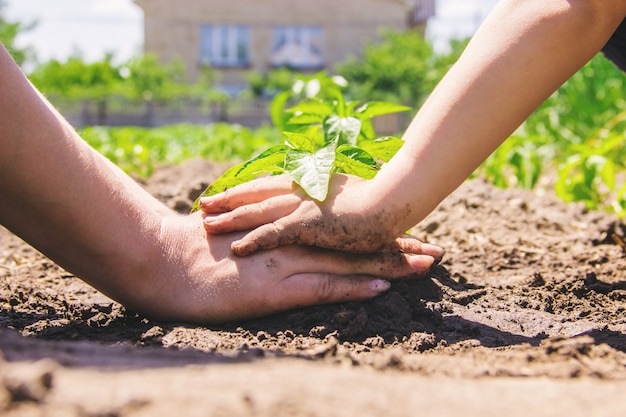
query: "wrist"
384, 207
124, 266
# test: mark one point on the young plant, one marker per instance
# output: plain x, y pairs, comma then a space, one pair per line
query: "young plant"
324, 133
517, 162
589, 175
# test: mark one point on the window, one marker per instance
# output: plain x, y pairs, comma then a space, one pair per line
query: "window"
224, 45
422, 11
297, 47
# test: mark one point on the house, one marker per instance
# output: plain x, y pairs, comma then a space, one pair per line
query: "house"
236, 36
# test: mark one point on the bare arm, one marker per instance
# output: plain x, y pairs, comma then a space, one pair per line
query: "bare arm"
61, 196
521, 54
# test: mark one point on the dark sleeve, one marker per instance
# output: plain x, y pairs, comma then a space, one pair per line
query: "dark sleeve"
615, 49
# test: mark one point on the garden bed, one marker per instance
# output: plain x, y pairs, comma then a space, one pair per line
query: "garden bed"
526, 315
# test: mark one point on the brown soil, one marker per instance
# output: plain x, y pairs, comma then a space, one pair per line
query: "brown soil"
524, 316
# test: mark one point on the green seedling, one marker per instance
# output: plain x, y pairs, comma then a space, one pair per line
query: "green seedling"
323, 134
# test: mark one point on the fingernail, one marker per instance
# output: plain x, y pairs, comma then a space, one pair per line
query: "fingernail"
379, 285
433, 250
421, 261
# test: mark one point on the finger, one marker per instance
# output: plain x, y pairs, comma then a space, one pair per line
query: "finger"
268, 236
306, 289
410, 244
385, 265
250, 192
252, 215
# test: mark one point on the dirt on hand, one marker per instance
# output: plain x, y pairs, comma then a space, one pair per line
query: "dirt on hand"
528, 303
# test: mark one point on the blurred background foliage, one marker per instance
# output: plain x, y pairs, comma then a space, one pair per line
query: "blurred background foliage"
574, 142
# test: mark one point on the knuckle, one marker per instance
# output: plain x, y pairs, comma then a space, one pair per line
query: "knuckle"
265, 205
324, 290
244, 247
391, 265
225, 198
285, 180
264, 237
246, 211
273, 231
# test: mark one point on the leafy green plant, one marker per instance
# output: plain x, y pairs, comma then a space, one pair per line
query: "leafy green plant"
591, 174
323, 133
581, 178
518, 162
137, 150
577, 134
590, 100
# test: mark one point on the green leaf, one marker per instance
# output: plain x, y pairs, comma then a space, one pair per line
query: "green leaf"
358, 154
311, 170
383, 148
312, 107
300, 141
277, 110
348, 165
350, 106
367, 130
608, 174
379, 108
227, 180
269, 161
344, 129
220, 185
305, 119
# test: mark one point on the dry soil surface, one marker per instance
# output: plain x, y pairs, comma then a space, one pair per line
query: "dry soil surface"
524, 316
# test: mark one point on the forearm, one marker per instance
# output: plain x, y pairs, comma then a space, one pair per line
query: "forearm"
523, 52
63, 197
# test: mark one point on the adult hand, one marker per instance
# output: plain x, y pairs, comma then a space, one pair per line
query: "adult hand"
196, 277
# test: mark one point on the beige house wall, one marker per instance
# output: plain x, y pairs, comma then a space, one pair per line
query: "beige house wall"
172, 28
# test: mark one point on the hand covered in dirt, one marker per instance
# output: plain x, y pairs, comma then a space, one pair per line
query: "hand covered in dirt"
198, 278
282, 215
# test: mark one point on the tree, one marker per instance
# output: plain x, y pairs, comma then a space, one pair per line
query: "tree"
75, 78
9, 32
141, 78
402, 68
147, 78
272, 82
